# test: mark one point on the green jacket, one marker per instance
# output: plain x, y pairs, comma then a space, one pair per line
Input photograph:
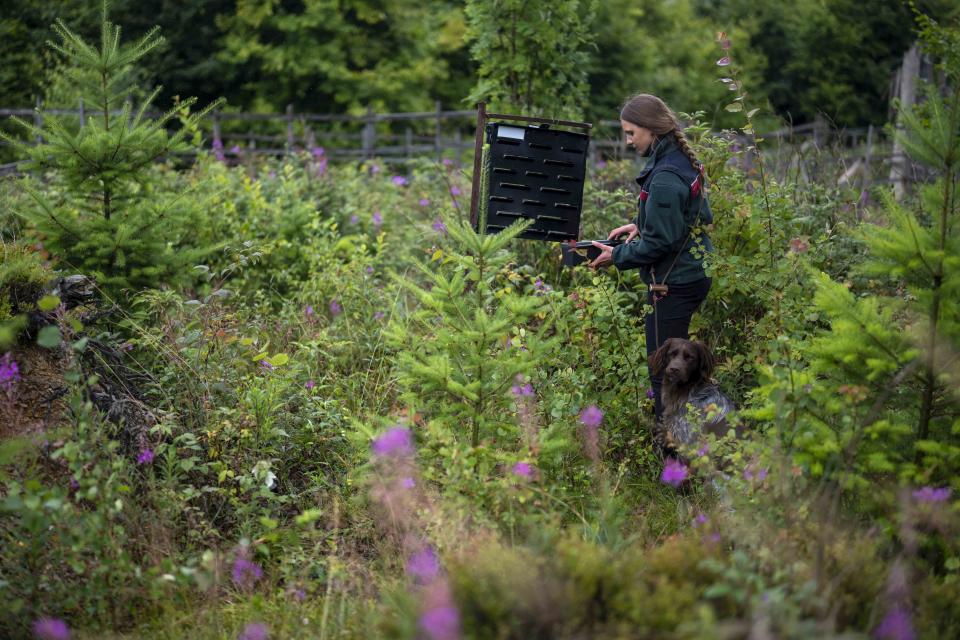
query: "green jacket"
671, 203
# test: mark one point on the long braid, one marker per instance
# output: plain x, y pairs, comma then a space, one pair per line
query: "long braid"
685, 147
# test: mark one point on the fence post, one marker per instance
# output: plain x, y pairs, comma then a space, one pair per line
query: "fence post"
290, 128
437, 141
408, 142
458, 142
369, 136
216, 125
38, 119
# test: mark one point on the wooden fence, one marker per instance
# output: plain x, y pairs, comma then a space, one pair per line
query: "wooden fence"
812, 153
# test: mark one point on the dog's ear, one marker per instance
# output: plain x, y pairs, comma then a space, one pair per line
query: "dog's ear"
707, 361
659, 359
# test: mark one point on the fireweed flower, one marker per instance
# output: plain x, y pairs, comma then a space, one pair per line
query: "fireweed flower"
447, 162
438, 226
896, 625
235, 149
522, 470
674, 473
310, 384
408, 483
51, 629
400, 181
217, 148
254, 631
454, 190
424, 202
146, 456
700, 519
354, 219
424, 565
931, 494
521, 391
308, 311
440, 619
397, 441
9, 372
592, 416
245, 572
377, 219
335, 308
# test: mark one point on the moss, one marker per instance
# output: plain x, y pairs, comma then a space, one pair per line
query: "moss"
22, 278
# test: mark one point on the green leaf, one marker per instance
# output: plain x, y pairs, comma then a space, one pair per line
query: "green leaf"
279, 359
734, 107
48, 303
753, 112
49, 337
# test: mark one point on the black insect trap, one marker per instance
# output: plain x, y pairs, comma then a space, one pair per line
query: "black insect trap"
535, 172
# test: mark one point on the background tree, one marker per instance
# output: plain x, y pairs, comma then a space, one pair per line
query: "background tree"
532, 56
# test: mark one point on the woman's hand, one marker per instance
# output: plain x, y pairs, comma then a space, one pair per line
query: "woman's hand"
629, 229
605, 258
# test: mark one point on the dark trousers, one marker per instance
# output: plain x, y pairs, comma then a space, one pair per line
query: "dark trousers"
671, 319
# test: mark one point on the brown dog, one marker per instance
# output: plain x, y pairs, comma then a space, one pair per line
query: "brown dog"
687, 370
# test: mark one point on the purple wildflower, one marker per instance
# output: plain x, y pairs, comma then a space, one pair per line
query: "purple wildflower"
424, 566
354, 219
439, 227
266, 365
601, 163
674, 473
703, 450
408, 483
74, 484
723, 62
651, 394
592, 416
379, 315
377, 219
525, 390
308, 311
217, 148
369, 270
374, 169
9, 372
447, 162
522, 470
245, 572
310, 384
700, 519
395, 441
235, 149
400, 181
335, 308
272, 175
317, 152
455, 190
254, 631
441, 623
896, 625
424, 202
931, 494
146, 456
51, 629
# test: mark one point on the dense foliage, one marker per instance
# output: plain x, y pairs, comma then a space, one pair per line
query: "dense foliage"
339, 411
808, 57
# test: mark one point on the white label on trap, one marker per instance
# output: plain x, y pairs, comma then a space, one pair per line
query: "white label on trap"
510, 132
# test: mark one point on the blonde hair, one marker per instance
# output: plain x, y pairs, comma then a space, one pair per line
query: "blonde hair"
650, 112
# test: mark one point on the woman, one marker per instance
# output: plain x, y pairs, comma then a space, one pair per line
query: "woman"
666, 243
